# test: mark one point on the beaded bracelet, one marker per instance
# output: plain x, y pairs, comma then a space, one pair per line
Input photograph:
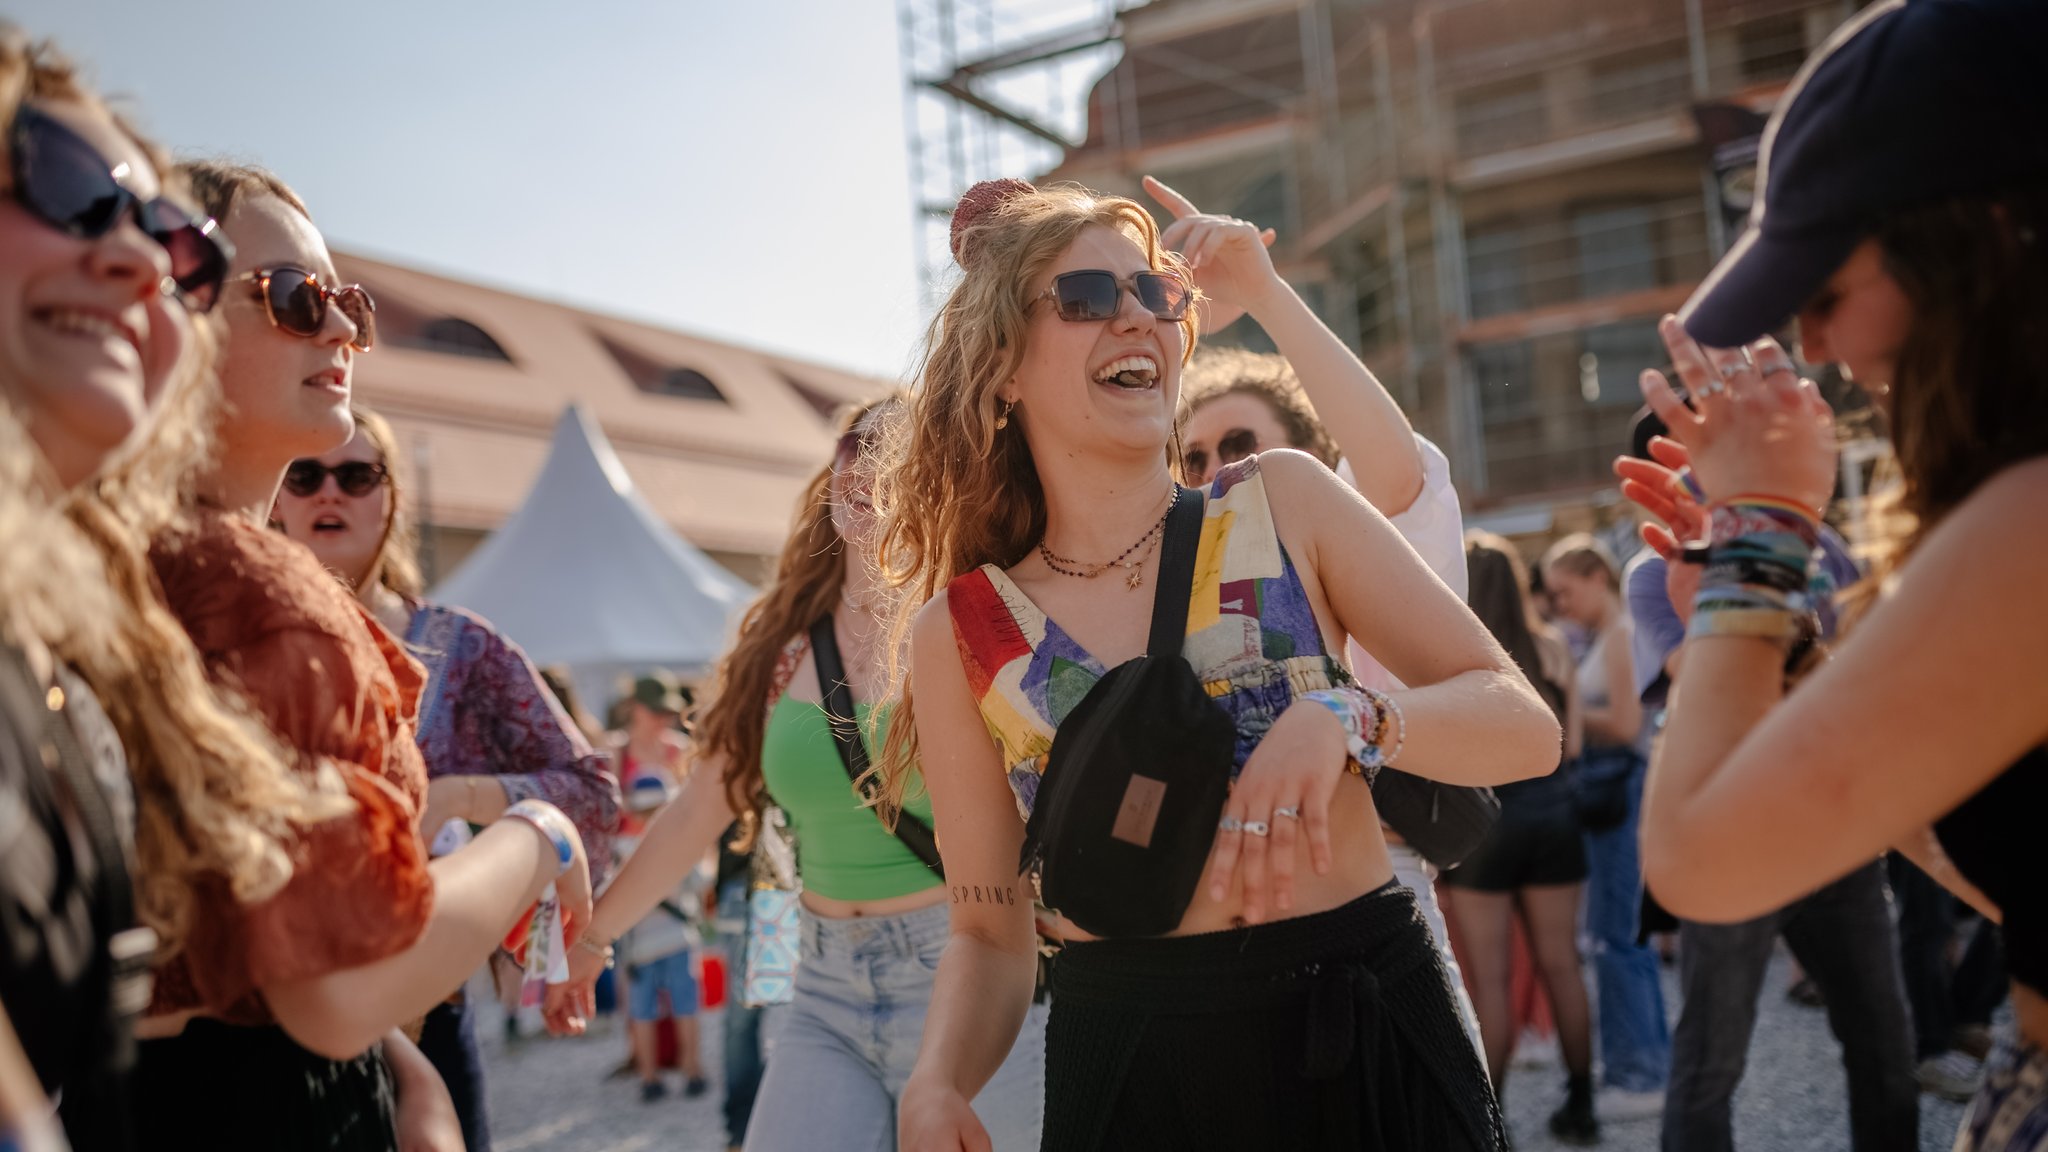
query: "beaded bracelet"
547, 819
1761, 578
1369, 717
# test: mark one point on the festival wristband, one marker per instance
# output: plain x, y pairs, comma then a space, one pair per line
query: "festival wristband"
1370, 719
548, 820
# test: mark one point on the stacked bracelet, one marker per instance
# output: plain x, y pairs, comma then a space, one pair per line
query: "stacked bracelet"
1374, 727
548, 820
1761, 576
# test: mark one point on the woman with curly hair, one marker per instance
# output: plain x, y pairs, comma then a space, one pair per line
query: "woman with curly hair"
280, 1024
115, 753
1298, 1001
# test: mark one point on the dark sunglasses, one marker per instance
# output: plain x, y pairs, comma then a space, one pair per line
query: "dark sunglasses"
355, 478
296, 302
1093, 294
1231, 447
68, 185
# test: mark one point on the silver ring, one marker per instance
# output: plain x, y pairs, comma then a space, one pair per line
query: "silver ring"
1714, 386
1731, 369
1256, 828
1290, 813
1230, 824
1781, 366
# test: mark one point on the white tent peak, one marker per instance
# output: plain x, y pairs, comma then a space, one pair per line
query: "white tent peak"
586, 574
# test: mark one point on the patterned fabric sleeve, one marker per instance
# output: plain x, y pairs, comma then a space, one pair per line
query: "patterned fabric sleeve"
537, 752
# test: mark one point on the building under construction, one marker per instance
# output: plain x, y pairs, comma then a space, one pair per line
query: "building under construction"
1492, 200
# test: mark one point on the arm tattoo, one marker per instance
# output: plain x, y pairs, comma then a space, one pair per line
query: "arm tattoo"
1003, 894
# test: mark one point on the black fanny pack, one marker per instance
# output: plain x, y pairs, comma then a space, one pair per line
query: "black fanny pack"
1138, 773
1444, 823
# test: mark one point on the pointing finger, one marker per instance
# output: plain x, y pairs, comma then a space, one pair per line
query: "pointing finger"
1172, 201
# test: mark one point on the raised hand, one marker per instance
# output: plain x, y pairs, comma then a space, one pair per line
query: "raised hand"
1658, 487
1228, 256
1759, 429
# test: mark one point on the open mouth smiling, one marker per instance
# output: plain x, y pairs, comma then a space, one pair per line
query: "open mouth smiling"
1130, 373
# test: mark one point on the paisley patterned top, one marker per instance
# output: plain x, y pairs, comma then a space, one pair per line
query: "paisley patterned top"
485, 711
1251, 637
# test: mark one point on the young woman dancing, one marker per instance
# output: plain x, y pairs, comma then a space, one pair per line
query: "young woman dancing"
1904, 221
273, 1027
1299, 1002
875, 917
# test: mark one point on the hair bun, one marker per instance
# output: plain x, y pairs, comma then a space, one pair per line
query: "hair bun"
976, 203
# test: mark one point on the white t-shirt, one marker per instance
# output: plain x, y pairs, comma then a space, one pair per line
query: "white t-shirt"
1434, 526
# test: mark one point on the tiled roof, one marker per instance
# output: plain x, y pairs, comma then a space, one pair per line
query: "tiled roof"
726, 473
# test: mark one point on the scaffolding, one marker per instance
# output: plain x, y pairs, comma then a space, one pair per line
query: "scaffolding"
1491, 200
994, 88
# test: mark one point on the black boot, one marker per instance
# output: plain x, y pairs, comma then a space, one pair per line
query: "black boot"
1575, 1123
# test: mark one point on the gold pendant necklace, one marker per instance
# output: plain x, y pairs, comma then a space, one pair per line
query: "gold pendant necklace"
1130, 563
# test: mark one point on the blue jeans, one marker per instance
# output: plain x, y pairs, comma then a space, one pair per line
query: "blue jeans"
1635, 1041
743, 1064
840, 1053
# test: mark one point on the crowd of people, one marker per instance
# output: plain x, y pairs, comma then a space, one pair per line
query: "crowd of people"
1131, 748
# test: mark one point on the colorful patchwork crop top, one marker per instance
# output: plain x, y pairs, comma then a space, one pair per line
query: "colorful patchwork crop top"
1252, 638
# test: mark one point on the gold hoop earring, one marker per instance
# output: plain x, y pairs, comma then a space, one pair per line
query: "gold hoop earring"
1003, 417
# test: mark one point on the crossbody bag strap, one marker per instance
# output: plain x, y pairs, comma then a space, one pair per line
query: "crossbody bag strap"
915, 834
1182, 539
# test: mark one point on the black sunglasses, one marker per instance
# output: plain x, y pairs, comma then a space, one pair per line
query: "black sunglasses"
1231, 447
355, 477
67, 184
296, 302
1093, 294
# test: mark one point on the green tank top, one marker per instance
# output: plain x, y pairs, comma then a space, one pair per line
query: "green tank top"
844, 851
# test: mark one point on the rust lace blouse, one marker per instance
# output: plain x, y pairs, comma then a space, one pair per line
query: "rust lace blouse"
269, 621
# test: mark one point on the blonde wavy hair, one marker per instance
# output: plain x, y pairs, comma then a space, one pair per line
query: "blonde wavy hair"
214, 797
958, 491
808, 578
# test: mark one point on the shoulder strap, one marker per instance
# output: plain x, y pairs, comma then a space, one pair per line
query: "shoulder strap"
915, 834
1177, 550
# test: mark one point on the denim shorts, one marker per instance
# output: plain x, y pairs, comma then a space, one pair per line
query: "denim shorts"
674, 974
840, 1052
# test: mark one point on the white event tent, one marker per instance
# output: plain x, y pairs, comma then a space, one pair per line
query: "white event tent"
586, 575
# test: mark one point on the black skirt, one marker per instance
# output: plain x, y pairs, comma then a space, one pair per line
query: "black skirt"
232, 1089
1331, 1031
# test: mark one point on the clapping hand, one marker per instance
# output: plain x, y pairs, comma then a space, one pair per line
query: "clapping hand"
1756, 427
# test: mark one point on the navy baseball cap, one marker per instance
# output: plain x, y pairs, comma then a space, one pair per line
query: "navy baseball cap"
1909, 102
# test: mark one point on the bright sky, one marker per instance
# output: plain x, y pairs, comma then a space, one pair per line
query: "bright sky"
733, 168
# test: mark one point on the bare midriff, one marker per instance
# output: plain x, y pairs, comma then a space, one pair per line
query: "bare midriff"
1359, 864
831, 909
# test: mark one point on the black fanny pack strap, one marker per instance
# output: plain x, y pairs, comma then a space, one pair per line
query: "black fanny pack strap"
915, 834
1183, 538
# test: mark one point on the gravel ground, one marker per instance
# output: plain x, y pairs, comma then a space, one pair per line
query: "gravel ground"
550, 1095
